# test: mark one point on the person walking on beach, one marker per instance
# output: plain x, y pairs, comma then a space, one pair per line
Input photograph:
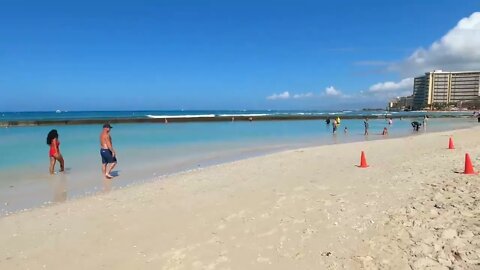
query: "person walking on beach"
54, 154
107, 152
365, 123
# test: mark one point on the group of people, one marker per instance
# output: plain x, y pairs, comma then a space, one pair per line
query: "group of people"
109, 156
384, 131
336, 123
107, 153
415, 124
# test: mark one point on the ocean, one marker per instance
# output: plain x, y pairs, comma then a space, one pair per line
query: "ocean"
76, 115
148, 151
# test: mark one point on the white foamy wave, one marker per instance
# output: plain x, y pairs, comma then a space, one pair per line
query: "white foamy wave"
246, 114
380, 114
315, 113
180, 116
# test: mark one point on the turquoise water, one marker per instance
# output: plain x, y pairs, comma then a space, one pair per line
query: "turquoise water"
146, 151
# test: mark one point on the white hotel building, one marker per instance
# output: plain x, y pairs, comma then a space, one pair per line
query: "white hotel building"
440, 87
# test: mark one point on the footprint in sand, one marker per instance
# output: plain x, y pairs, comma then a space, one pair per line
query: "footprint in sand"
221, 226
266, 260
327, 202
174, 258
321, 187
299, 188
240, 214
279, 202
268, 233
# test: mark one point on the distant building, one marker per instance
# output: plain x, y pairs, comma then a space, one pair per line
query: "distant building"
401, 104
439, 89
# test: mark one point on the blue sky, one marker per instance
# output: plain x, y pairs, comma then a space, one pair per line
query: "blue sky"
127, 55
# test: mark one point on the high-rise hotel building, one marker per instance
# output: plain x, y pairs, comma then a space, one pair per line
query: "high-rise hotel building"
440, 87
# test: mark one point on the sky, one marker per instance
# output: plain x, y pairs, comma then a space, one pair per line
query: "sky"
217, 55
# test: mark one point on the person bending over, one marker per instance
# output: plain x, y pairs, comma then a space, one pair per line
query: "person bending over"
416, 125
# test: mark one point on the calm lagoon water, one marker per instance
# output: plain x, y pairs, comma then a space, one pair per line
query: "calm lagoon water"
146, 151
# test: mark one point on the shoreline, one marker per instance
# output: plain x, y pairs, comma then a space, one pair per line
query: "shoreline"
213, 118
306, 208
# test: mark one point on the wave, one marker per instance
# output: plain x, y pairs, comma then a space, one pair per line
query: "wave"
381, 114
245, 114
181, 116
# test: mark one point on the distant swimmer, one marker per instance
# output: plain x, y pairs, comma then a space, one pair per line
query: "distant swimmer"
327, 121
345, 130
250, 119
54, 154
390, 121
385, 131
366, 125
107, 152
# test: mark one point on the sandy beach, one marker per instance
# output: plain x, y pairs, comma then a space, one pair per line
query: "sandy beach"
308, 208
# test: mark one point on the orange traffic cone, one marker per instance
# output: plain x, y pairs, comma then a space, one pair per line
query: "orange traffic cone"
363, 161
468, 165
450, 144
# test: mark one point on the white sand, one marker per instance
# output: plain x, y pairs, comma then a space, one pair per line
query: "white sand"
302, 209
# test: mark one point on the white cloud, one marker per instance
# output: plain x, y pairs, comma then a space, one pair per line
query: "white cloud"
392, 87
284, 95
332, 92
303, 95
456, 50
287, 95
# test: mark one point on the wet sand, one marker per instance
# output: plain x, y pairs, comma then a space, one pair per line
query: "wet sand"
309, 208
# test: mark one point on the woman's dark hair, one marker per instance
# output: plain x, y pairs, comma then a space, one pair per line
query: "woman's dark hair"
53, 134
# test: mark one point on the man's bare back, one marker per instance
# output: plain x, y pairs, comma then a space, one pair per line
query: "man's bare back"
105, 140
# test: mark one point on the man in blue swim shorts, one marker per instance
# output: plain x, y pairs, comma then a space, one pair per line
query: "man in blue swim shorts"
107, 152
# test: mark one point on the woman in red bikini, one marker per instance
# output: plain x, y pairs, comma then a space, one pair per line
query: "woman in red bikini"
52, 140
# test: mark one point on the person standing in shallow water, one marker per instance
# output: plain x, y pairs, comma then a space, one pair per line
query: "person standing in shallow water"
107, 152
54, 153
334, 126
365, 123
